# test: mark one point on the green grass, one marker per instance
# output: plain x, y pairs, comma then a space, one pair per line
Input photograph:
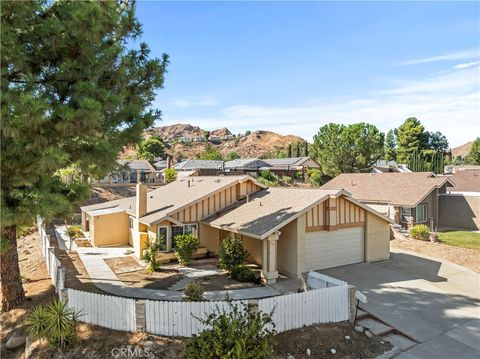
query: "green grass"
461, 239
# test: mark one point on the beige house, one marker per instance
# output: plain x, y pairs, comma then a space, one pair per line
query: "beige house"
286, 230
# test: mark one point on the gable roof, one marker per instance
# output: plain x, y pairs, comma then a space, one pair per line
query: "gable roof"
242, 162
272, 208
168, 199
400, 189
137, 165
291, 161
189, 165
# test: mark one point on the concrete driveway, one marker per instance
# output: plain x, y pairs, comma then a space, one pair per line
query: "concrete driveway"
433, 301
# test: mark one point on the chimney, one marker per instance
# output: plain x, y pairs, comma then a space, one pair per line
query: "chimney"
169, 162
141, 200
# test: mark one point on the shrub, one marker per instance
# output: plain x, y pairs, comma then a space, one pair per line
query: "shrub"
75, 232
315, 176
420, 231
239, 333
242, 273
150, 253
55, 323
185, 247
193, 292
170, 175
231, 253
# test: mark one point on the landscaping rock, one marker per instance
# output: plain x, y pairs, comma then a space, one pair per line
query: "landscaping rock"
290, 356
309, 352
358, 328
333, 351
347, 337
368, 333
15, 341
148, 344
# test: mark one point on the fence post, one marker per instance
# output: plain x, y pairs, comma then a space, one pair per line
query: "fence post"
352, 303
60, 285
140, 320
63, 295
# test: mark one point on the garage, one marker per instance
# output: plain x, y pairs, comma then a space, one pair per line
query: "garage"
326, 249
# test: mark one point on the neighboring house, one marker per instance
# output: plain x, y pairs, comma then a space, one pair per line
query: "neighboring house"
465, 181
452, 169
199, 139
288, 166
200, 167
245, 165
132, 171
215, 139
382, 166
286, 230
228, 137
161, 165
408, 198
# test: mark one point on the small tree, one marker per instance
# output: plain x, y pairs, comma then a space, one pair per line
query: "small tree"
186, 246
193, 292
474, 155
55, 322
238, 333
231, 253
232, 155
207, 135
170, 175
155, 244
151, 148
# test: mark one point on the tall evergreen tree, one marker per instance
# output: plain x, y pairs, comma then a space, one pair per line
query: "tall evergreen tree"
72, 94
411, 137
390, 146
306, 149
297, 149
474, 155
289, 150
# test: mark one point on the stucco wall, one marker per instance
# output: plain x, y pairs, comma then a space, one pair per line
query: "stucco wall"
209, 237
255, 249
287, 249
110, 229
461, 211
377, 238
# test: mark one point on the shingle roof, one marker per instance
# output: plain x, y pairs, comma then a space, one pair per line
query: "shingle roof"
267, 209
402, 189
168, 199
241, 162
140, 165
289, 161
466, 181
188, 165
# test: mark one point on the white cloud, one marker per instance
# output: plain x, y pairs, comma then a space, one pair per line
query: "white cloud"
194, 102
460, 55
446, 102
466, 65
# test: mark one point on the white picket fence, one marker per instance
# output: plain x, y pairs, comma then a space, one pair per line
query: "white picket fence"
318, 280
54, 267
291, 311
104, 310
181, 319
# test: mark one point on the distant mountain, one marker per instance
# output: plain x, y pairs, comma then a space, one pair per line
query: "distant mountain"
255, 144
463, 150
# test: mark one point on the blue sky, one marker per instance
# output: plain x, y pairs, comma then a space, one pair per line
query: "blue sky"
291, 67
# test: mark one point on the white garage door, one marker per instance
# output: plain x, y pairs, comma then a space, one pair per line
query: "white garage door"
333, 249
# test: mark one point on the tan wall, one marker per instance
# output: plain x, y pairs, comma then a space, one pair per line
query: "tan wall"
209, 238
460, 211
255, 249
109, 229
377, 238
287, 259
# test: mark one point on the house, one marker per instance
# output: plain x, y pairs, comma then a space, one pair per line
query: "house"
245, 165
199, 139
132, 171
383, 166
290, 165
452, 169
228, 137
161, 165
408, 198
200, 167
214, 138
285, 230
465, 181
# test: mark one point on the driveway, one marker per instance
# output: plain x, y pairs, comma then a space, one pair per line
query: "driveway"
434, 301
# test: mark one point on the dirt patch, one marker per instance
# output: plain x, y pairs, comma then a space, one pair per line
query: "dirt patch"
162, 279
83, 243
321, 338
469, 258
121, 265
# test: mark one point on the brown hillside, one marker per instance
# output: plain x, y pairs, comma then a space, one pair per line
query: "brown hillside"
463, 150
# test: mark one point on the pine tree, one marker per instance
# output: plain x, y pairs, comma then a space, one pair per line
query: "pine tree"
390, 146
306, 149
297, 149
72, 94
289, 150
411, 137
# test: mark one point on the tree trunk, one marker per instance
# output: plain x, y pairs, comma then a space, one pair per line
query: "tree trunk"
12, 290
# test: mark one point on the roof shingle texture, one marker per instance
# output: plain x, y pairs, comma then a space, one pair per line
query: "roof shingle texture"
402, 189
466, 181
267, 209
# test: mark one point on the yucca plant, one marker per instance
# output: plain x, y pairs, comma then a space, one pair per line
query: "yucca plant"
55, 322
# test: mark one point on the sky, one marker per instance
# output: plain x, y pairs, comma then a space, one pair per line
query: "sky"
291, 67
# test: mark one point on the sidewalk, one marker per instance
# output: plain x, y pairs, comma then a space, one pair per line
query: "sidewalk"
106, 280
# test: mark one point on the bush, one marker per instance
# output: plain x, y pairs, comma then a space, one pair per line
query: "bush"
170, 175
231, 253
242, 273
185, 247
240, 333
150, 254
55, 323
420, 231
75, 232
315, 176
193, 292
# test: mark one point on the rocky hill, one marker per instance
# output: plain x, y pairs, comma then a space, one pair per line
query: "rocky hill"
255, 144
463, 150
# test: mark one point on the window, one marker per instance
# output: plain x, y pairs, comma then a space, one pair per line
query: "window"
130, 222
162, 234
406, 214
186, 229
421, 213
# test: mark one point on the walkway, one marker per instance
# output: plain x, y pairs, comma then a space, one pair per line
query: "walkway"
105, 279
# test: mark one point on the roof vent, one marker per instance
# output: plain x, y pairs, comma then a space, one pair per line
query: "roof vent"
188, 183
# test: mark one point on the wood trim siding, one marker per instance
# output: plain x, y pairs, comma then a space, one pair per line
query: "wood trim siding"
348, 215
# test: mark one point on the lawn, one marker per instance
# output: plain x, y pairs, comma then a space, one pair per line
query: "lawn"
461, 239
